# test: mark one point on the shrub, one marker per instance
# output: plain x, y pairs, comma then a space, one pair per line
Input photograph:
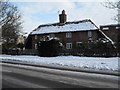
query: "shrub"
49, 48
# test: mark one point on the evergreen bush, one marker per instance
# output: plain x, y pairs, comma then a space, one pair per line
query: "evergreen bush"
49, 48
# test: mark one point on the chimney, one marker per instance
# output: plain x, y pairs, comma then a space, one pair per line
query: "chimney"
62, 17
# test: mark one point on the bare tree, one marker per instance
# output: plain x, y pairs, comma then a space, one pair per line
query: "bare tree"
114, 5
10, 24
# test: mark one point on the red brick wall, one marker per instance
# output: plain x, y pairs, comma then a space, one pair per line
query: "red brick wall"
76, 37
112, 32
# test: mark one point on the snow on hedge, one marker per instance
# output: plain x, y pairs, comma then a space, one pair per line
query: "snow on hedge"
70, 61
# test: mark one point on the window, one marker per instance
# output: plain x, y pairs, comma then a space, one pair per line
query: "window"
105, 28
35, 36
35, 46
69, 35
68, 45
89, 34
78, 43
117, 27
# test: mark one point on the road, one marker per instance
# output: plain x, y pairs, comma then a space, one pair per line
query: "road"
21, 76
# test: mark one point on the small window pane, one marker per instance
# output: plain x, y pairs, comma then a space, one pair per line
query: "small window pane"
68, 45
35, 46
35, 36
89, 34
68, 35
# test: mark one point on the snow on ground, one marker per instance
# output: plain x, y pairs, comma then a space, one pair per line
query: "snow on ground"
70, 61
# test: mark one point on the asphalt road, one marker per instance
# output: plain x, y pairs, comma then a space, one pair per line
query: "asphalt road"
21, 76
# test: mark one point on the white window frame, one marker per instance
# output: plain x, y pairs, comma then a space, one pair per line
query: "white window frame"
69, 35
68, 45
78, 43
89, 33
36, 46
35, 36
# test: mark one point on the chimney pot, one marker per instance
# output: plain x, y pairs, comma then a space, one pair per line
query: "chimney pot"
63, 12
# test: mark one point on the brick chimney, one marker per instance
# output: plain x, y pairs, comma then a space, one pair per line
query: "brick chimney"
62, 17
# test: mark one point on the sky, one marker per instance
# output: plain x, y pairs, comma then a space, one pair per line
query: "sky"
37, 12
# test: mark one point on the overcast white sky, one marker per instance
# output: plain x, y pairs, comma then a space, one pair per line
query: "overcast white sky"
36, 12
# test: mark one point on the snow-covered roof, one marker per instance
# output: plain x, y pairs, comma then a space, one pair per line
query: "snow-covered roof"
83, 25
106, 25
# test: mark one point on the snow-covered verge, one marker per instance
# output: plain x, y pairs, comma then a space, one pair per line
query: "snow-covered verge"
70, 61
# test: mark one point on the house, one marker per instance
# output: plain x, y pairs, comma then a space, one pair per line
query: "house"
111, 31
20, 40
71, 34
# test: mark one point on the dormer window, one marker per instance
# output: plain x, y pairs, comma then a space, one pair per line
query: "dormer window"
69, 35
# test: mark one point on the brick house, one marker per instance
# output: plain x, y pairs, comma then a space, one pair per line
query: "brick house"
111, 31
71, 34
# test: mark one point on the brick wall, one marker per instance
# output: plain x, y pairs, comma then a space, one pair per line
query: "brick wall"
111, 31
76, 37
